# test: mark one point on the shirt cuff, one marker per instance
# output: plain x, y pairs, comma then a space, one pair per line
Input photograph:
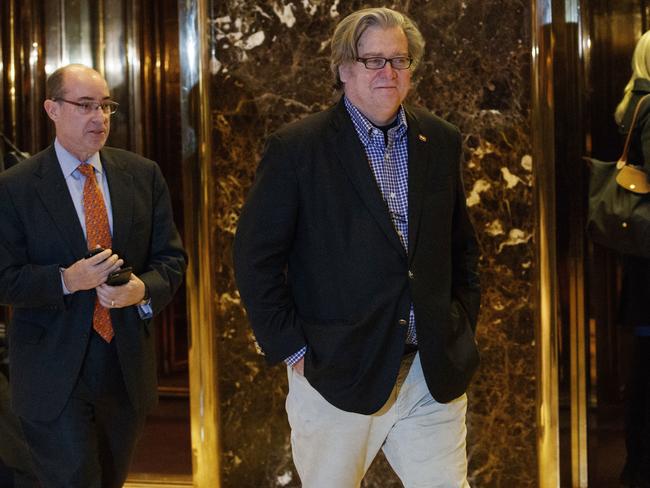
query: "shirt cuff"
65, 290
296, 356
144, 310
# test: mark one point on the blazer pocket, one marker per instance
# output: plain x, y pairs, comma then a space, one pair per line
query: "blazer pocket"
329, 341
460, 345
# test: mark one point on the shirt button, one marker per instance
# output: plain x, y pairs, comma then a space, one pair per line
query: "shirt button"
402, 322
411, 275
392, 195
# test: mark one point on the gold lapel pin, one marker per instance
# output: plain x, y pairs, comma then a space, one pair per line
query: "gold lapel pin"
422, 137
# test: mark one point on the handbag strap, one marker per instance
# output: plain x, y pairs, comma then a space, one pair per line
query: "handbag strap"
623, 159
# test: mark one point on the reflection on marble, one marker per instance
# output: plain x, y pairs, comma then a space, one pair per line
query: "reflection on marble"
272, 67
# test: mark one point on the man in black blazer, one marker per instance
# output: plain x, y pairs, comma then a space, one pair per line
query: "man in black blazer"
81, 397
357, 263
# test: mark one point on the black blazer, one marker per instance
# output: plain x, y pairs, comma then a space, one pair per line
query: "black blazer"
39, 233
318, 261
635, 292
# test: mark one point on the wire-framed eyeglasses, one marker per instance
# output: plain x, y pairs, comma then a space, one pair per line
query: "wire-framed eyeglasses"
398, 62
108, 107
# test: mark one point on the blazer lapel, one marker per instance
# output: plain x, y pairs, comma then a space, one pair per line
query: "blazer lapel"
355, 163
419, 153
53, 191
120, 186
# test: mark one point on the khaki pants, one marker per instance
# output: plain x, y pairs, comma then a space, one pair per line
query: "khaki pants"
423, 440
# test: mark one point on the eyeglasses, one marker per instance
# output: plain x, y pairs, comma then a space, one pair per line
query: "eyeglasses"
86, 108
399, 62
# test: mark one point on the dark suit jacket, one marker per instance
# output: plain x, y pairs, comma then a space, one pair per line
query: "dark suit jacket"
40, 232
318, 261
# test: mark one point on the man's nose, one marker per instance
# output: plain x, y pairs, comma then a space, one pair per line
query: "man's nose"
99, 114
388, 70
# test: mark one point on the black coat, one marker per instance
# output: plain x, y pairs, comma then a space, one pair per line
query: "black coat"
635, 294
318, 261
39, 233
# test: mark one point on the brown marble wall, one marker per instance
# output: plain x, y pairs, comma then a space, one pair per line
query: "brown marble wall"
272, 68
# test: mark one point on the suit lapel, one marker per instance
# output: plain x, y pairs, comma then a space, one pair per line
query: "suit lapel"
355, 163
419, 160
120, 186
53, 192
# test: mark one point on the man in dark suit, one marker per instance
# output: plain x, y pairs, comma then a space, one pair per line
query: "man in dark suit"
82, 364
357, 263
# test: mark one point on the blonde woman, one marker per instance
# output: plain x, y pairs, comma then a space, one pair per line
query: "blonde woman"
636, 281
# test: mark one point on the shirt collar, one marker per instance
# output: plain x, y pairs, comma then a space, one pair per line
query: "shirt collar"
69, 163
366, 129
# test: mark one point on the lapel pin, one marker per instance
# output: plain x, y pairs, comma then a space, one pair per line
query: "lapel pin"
422, 137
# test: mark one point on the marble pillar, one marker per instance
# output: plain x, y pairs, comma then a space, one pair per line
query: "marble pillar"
271, 67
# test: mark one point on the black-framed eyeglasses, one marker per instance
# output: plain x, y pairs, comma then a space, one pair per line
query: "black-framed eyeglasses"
398, 62
84, 108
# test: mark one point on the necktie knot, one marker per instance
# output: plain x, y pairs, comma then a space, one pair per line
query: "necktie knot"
86, 169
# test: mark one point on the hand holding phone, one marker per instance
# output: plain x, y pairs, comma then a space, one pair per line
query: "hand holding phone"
93, 252
119, 277
116, 278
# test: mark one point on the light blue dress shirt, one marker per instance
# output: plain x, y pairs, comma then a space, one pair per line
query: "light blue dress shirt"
75, 181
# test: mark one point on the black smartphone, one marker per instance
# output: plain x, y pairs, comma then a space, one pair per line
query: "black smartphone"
93, 252
119, 277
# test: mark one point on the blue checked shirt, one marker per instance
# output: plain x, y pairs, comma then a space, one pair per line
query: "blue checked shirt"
389, 163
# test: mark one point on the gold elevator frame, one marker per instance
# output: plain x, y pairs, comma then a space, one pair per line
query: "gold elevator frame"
548, 455
547, 324
198, 183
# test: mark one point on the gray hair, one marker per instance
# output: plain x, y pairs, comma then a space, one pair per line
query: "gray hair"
351, 28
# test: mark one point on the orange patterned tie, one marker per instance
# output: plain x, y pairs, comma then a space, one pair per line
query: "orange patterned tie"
98, 233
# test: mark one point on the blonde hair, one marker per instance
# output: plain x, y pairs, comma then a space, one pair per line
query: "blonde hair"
640, 69
348, 32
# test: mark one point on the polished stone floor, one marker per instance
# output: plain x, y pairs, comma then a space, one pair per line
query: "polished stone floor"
165, 446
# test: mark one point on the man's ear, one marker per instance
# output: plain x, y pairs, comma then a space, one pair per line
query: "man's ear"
52, 109
344, 72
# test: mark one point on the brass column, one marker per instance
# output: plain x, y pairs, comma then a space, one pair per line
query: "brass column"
546, 317
197, 180
577, 50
